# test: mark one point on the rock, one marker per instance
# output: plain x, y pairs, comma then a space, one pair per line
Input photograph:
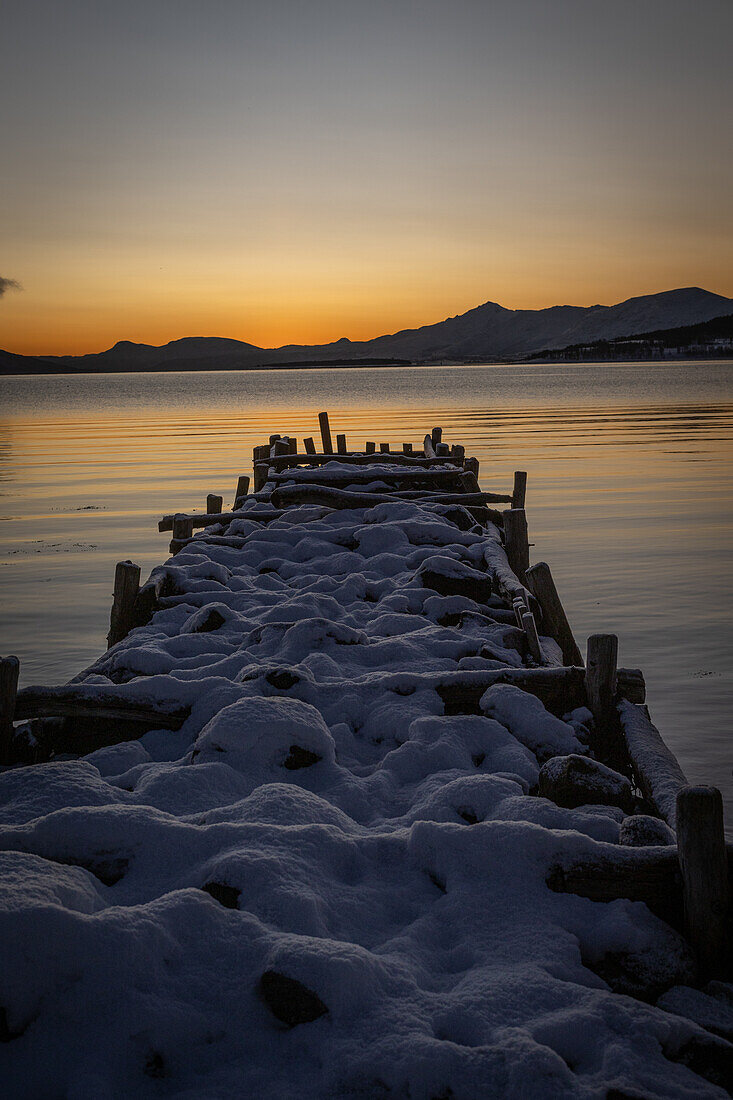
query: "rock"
228, 896
282, 679
290, 1001
641, 831
576, 780
300, 758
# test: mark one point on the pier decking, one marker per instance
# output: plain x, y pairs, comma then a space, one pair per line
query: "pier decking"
344, 756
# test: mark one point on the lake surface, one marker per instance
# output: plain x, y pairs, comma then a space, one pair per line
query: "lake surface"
629, 499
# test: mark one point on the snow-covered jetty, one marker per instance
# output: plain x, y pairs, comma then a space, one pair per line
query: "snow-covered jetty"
342, 812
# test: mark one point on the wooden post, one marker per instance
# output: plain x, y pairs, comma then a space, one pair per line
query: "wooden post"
442, 449
273, 440
435, 437
458, 451
310, 447
214, 504
260, 473
293, 441
384, 448
9, 669
242, 487
554, 619
600, 676
519, 492
370, 447
533, 642
127, 586
427, 447
472, 465
704, 867
341, 444
325, 433
281, 447
407, 448
516, 540
182, 529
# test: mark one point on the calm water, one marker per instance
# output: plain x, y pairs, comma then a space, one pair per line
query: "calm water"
629, 499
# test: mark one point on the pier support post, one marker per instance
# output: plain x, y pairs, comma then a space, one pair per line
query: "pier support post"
472, 465
310, 447
325, 433
704, 867
242, 488
554, 620
529, 626
407, 448
436, 436
519, 492
127, 586
384, 448
516, 540
182, 530
341, 444
9, 669
370, 447
214, 504
600, 684
281, 447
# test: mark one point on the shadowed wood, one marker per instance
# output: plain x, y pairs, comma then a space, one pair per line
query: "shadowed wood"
516, 541
471, 464
407, 448
519, 492
384, 448
554, 620
242, 488
436, 436
341, 444
9, 671
651, 875
370, 447
428, 448
127, 586
214, 503
309, 445
533, 642
600, 676
325, 433
705, 889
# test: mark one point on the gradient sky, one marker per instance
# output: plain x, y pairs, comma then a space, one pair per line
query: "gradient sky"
284, 171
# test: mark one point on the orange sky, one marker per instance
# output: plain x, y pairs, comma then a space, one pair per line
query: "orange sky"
280, 175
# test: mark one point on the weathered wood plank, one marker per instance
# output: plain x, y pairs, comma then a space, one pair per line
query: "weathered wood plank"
325, 433
554, 620
516, 541
656, 768
704, 866
9, 671
122, 615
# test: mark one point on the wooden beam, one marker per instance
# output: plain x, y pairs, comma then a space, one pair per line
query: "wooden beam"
98, 701
127, 586
533, 642
554, 620
325, 433
656, 769
639, 874
383, 458
704, 866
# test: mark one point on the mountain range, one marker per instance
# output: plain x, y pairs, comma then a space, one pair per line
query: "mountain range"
489, 332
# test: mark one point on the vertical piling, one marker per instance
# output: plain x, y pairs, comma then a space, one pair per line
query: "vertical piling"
370, 447
704, 867
407, 448
242, 488
127, 586
9, 669
435, 437
600, 685
554, 619
516, 540
214, 504
325, 433
182, 530
519, 492
310, 447
341, 444
384, 448
472, 465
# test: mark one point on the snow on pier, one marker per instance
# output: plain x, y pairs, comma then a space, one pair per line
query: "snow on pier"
340, 813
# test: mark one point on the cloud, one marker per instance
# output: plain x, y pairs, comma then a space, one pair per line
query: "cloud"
8, 284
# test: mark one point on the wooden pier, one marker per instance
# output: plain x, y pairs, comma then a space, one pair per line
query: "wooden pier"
686, 883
